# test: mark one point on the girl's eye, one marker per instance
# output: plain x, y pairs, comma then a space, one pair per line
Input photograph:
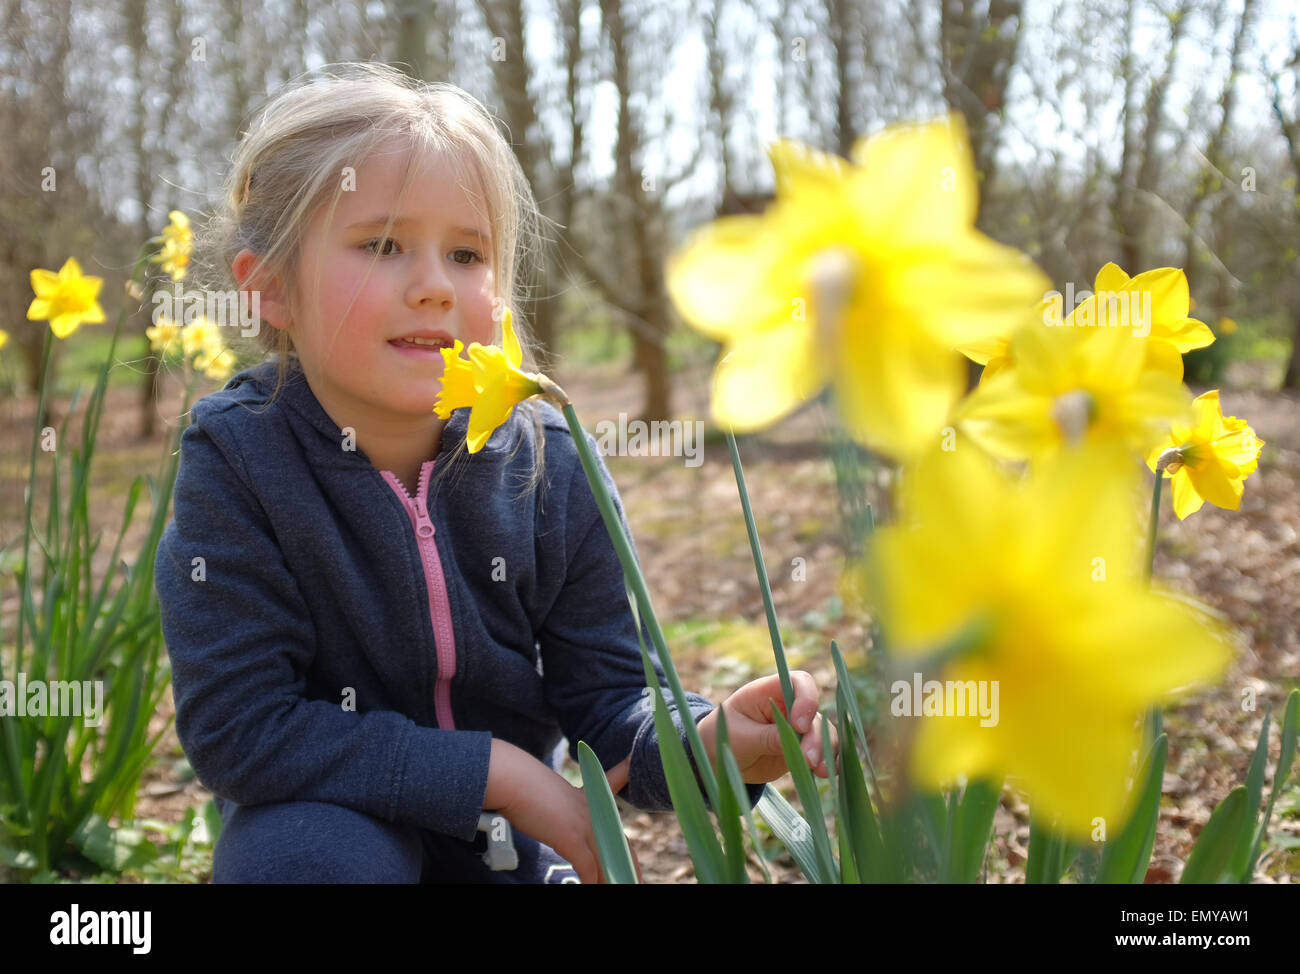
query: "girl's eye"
474, 255
378, 240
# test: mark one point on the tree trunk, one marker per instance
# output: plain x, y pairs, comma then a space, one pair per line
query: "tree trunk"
1291, 377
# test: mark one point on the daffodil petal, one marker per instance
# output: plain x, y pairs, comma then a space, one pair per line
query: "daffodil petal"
1168, 289
984, 350
44, 281
970, 292
946, 747
930, 175
760, 379
1162, 356
800, 168
1186, 500
1006, 420
491, 409
1112, 356
1110, 278
895, 387
994, 367
510, 341
728, 266
1208, 414
65, 325
1217, 481
1183, 334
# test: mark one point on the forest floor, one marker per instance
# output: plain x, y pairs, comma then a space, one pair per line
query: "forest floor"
691, 539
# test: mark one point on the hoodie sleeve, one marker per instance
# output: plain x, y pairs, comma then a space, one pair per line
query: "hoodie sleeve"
591, 657
241, 639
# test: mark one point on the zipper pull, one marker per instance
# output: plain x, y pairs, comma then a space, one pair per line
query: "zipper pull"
424, 525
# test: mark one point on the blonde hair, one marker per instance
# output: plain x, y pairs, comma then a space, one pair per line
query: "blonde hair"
290, 164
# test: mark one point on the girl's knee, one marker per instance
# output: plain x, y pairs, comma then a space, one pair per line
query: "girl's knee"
313, 842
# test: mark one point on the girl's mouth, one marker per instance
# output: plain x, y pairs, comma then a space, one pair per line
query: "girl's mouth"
425, 348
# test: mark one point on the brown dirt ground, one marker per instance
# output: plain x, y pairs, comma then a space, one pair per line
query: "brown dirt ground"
692, 543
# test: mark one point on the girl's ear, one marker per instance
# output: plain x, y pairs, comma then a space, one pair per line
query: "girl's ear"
270, 292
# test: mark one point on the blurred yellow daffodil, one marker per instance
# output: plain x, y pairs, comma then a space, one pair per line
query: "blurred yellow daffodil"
1065, 639
490, 382
177, 242
1155, 304
1208, 459
864, 275
1071, 383
994, 351
199, 342
4, 337
217, 363
164, 337
65, 299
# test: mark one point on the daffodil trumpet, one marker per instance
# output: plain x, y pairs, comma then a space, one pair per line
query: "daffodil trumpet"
491, 382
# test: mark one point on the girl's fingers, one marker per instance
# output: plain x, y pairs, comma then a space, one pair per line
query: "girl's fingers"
812, 746
823, 757
805, 700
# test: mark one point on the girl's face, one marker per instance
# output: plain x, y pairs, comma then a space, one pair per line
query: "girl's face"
432, 278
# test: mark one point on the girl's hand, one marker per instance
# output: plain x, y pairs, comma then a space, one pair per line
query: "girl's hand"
540, 803
751, 728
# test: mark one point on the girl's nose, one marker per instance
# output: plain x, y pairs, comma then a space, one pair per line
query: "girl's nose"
431, 283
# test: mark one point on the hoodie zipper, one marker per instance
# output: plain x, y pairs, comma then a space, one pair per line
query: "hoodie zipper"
436, 583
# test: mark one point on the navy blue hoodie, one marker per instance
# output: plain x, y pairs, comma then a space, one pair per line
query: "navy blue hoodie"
334, 639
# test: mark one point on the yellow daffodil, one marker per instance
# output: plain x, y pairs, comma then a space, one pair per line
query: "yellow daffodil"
164, 337
177, 241
4, 337
1164, 302
1068, 383
864, 275
1068, 645
65, 299
218, 364
1155, 302
200, 342
490, 382
1209, 459
199, 338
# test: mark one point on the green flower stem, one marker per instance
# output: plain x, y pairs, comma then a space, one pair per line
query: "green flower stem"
773, 628
636, 582
30, 491
1155, 724
1155, 522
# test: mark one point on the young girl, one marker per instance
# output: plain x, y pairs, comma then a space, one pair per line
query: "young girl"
375, 636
